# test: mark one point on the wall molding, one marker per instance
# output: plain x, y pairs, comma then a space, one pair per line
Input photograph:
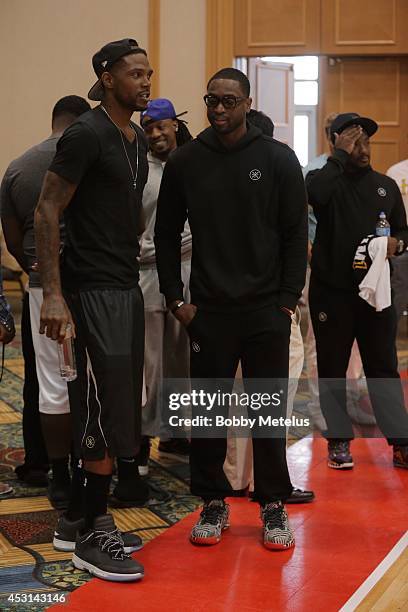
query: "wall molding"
268, 43
154, 45
391, 41
219, 35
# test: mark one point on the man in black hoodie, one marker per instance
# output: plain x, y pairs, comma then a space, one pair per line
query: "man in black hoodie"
244, 197
348, 196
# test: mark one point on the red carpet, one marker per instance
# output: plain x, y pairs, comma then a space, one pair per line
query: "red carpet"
358, 517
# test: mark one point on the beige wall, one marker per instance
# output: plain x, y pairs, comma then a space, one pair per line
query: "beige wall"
182, 58
46, 49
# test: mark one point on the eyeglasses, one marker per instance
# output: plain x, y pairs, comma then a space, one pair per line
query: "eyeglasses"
228, 102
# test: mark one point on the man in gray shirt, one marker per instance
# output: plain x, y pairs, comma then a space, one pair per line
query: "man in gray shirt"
20, 190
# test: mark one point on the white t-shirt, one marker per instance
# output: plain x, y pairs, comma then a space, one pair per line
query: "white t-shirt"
399, 172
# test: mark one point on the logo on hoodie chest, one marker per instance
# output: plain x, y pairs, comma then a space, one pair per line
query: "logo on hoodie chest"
255, 174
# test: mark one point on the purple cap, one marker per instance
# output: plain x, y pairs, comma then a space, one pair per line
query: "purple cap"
158, 109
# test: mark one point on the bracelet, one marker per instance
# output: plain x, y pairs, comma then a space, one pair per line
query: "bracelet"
177, 306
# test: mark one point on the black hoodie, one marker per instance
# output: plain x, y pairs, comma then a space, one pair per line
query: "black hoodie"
246, 206
347, 206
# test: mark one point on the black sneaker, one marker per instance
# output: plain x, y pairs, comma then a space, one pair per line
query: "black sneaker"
277, 534
143, 456
100, 551
176, 447
32, 477
130, 493
58, 493
66, 533
300, 496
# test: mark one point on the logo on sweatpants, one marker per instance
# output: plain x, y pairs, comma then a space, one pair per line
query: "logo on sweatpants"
322, 317
90, 441
196, 347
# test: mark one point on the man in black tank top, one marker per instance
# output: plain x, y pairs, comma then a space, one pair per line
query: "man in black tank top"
97, 179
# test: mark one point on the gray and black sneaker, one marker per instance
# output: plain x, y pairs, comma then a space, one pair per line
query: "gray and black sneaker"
66, 533
277, 534
213, 520
100, 551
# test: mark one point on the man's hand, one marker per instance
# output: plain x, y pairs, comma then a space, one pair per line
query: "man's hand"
5, 335
185, 314
55, 317
392, 246
348, 138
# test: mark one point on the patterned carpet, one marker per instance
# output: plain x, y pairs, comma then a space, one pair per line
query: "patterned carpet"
28, 563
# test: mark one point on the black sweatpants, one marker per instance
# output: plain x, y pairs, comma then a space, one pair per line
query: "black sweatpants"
260, 340
339, 317
106, 397
34, 445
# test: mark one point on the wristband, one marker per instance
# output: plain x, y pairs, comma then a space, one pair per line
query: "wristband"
177, 306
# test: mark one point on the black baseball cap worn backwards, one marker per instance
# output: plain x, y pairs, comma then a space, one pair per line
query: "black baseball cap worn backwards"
104, 59
345, 120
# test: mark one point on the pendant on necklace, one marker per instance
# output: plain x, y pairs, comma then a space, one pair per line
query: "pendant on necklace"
134, 183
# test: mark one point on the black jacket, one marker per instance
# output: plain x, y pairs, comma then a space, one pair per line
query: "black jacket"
247, 211
347, 206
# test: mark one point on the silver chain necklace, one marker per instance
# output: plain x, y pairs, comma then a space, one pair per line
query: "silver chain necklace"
133, 174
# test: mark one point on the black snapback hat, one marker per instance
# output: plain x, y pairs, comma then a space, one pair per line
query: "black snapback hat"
345, 120
104, 59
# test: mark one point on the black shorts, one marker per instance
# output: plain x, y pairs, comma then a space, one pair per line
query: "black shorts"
106, 396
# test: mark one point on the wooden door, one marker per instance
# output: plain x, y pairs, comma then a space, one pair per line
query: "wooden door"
375, 87
272, 90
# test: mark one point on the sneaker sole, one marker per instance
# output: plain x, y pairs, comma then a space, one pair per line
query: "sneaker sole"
99, 573
63, 545
340, 466
207, 541
272, 546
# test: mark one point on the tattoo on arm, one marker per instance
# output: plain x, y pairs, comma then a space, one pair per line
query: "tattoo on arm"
55, 196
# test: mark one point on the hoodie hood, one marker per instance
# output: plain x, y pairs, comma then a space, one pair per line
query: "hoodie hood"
210, 139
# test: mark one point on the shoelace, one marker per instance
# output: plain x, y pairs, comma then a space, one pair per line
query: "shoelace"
112, 543
273, 516
211, 514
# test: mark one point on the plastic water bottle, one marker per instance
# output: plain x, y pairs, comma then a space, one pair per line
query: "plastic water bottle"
66, 354
382, 228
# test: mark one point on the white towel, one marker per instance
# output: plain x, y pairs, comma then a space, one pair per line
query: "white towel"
375, 288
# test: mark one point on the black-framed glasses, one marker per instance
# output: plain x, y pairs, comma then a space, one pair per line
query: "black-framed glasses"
227, 101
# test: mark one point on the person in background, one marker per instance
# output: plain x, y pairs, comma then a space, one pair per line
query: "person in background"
355, 367
20, 191
399, 278
7, 333
167, 350
348, 196
244, 197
